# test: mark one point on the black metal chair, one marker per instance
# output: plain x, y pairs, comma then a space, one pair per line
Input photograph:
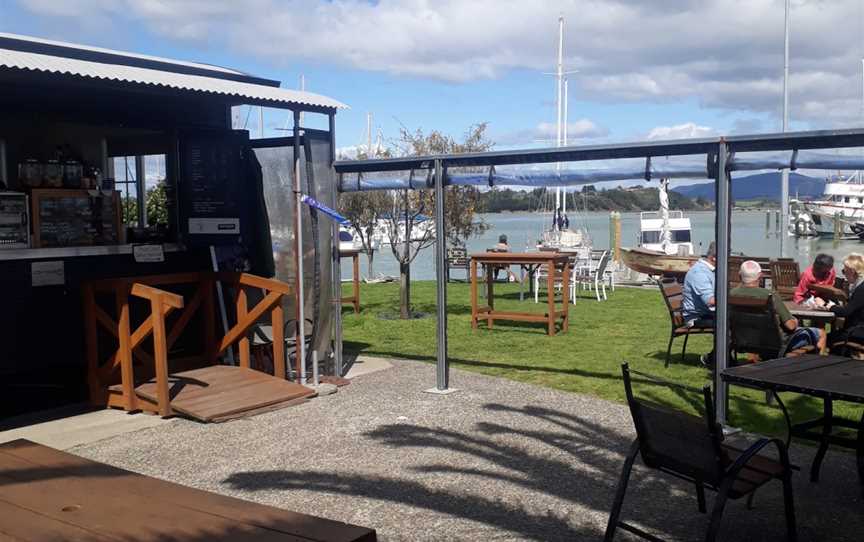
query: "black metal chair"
756, 329
673, 295
692, 449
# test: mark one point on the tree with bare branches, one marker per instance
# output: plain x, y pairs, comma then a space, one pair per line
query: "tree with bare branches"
410, 218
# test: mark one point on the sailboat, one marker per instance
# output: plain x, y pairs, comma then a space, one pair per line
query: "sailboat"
665, 244
560, 236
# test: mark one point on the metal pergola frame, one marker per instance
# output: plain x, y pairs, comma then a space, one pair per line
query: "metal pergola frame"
719, 153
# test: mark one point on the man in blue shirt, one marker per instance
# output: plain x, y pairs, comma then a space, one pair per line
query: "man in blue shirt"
697, 304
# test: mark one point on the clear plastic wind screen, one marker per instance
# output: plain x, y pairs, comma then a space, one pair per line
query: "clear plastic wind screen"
278, 179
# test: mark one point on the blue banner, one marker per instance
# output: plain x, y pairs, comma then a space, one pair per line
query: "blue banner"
315, 204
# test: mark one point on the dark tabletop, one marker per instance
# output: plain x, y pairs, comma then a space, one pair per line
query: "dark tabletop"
834, 377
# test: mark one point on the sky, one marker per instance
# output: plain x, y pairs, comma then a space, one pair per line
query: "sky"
650, 69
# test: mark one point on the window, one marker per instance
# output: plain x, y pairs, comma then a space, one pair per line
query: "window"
680, 236
146, 193
649, 237
847, 199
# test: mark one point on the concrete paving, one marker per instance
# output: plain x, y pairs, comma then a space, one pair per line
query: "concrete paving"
364, 365
498, 460
87, 428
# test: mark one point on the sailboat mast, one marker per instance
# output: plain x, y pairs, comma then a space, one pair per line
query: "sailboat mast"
564, 144
559, 81
784, 180
369, 135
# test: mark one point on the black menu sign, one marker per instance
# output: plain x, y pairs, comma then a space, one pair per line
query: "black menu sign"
210, 188
63, 218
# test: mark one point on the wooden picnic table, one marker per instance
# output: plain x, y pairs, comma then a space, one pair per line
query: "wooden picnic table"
802, 312
830, 378
354, 298
46, 494
556, 263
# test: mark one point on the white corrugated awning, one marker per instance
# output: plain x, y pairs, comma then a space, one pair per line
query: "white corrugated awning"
279, 97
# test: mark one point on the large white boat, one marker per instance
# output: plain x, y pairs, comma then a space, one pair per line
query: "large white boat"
677, 239
842, 200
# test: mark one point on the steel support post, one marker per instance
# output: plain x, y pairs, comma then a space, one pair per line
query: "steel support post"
442, 368
298, 257
721, 290
337, 262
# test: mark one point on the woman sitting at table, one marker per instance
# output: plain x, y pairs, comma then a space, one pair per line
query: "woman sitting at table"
502, 246
853, 311
821, 273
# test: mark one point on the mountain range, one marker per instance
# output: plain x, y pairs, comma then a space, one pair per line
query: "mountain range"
760, 186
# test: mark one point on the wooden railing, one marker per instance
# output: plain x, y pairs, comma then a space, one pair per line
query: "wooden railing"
134, 364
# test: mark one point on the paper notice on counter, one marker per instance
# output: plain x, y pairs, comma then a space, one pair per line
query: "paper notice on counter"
148, 253
48, 273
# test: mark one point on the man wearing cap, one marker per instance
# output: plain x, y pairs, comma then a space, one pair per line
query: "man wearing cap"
750, 273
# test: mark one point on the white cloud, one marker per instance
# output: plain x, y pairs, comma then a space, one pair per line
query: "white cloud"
725, 54
686, 130
547, 132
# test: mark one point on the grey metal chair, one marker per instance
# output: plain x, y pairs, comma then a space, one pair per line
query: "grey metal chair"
692, 449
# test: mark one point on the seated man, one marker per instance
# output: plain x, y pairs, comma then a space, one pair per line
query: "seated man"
697, 303
820, 273
750, 273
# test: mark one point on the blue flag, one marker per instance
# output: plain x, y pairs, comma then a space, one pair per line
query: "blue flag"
315, 204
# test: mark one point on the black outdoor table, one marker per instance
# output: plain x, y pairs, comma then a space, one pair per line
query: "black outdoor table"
831, 378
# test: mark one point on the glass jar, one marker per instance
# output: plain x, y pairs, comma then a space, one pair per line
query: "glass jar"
30, 173
52, 174
72, 173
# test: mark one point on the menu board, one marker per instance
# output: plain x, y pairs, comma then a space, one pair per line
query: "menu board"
67, 218
210, 188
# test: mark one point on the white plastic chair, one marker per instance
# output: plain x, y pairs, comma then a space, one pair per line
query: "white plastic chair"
540, 278
591, 277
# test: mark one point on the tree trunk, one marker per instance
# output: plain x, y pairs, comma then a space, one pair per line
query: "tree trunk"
370, 255
405, 291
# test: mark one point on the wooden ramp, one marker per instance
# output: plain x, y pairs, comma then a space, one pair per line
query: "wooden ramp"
222, 392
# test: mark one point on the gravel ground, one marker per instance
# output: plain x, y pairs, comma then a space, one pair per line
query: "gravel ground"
499, 460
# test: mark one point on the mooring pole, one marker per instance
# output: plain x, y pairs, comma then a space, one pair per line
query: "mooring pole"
442, 367
721, 288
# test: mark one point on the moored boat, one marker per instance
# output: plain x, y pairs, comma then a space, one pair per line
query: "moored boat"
665, 243
653, 262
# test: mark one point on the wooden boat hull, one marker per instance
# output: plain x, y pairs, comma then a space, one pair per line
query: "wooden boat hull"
655, 263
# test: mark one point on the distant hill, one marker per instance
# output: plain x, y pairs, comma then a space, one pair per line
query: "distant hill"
760, 186
635, 198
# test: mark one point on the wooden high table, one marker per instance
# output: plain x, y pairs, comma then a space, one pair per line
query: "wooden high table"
553, 261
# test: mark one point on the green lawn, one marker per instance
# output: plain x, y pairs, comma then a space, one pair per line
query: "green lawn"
632, 325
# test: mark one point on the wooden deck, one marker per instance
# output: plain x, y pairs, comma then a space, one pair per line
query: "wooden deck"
221, 392
46, 494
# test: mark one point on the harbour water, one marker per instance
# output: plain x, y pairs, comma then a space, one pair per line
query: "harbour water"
749, 236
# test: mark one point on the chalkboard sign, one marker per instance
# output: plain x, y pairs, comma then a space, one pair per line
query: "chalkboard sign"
70, 218
211, 188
